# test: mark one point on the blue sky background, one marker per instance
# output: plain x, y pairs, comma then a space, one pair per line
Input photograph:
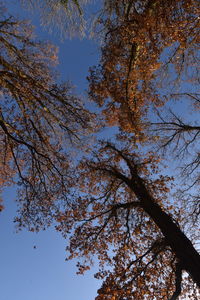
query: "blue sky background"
27, 273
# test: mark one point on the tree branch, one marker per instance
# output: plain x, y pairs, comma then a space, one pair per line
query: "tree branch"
178, 275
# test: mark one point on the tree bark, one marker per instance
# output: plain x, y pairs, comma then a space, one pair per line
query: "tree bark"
182, 247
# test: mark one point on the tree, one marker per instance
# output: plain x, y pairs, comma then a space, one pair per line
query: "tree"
39, 119
118, 204
115, 223
65, 16
121, 193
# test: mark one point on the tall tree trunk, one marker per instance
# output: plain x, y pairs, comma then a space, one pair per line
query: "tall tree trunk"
182, 247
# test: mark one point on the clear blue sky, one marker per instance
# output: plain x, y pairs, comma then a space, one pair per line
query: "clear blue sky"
42, 273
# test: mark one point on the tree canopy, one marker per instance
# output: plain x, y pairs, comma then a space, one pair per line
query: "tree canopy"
118, 202
39, 118
66, 17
